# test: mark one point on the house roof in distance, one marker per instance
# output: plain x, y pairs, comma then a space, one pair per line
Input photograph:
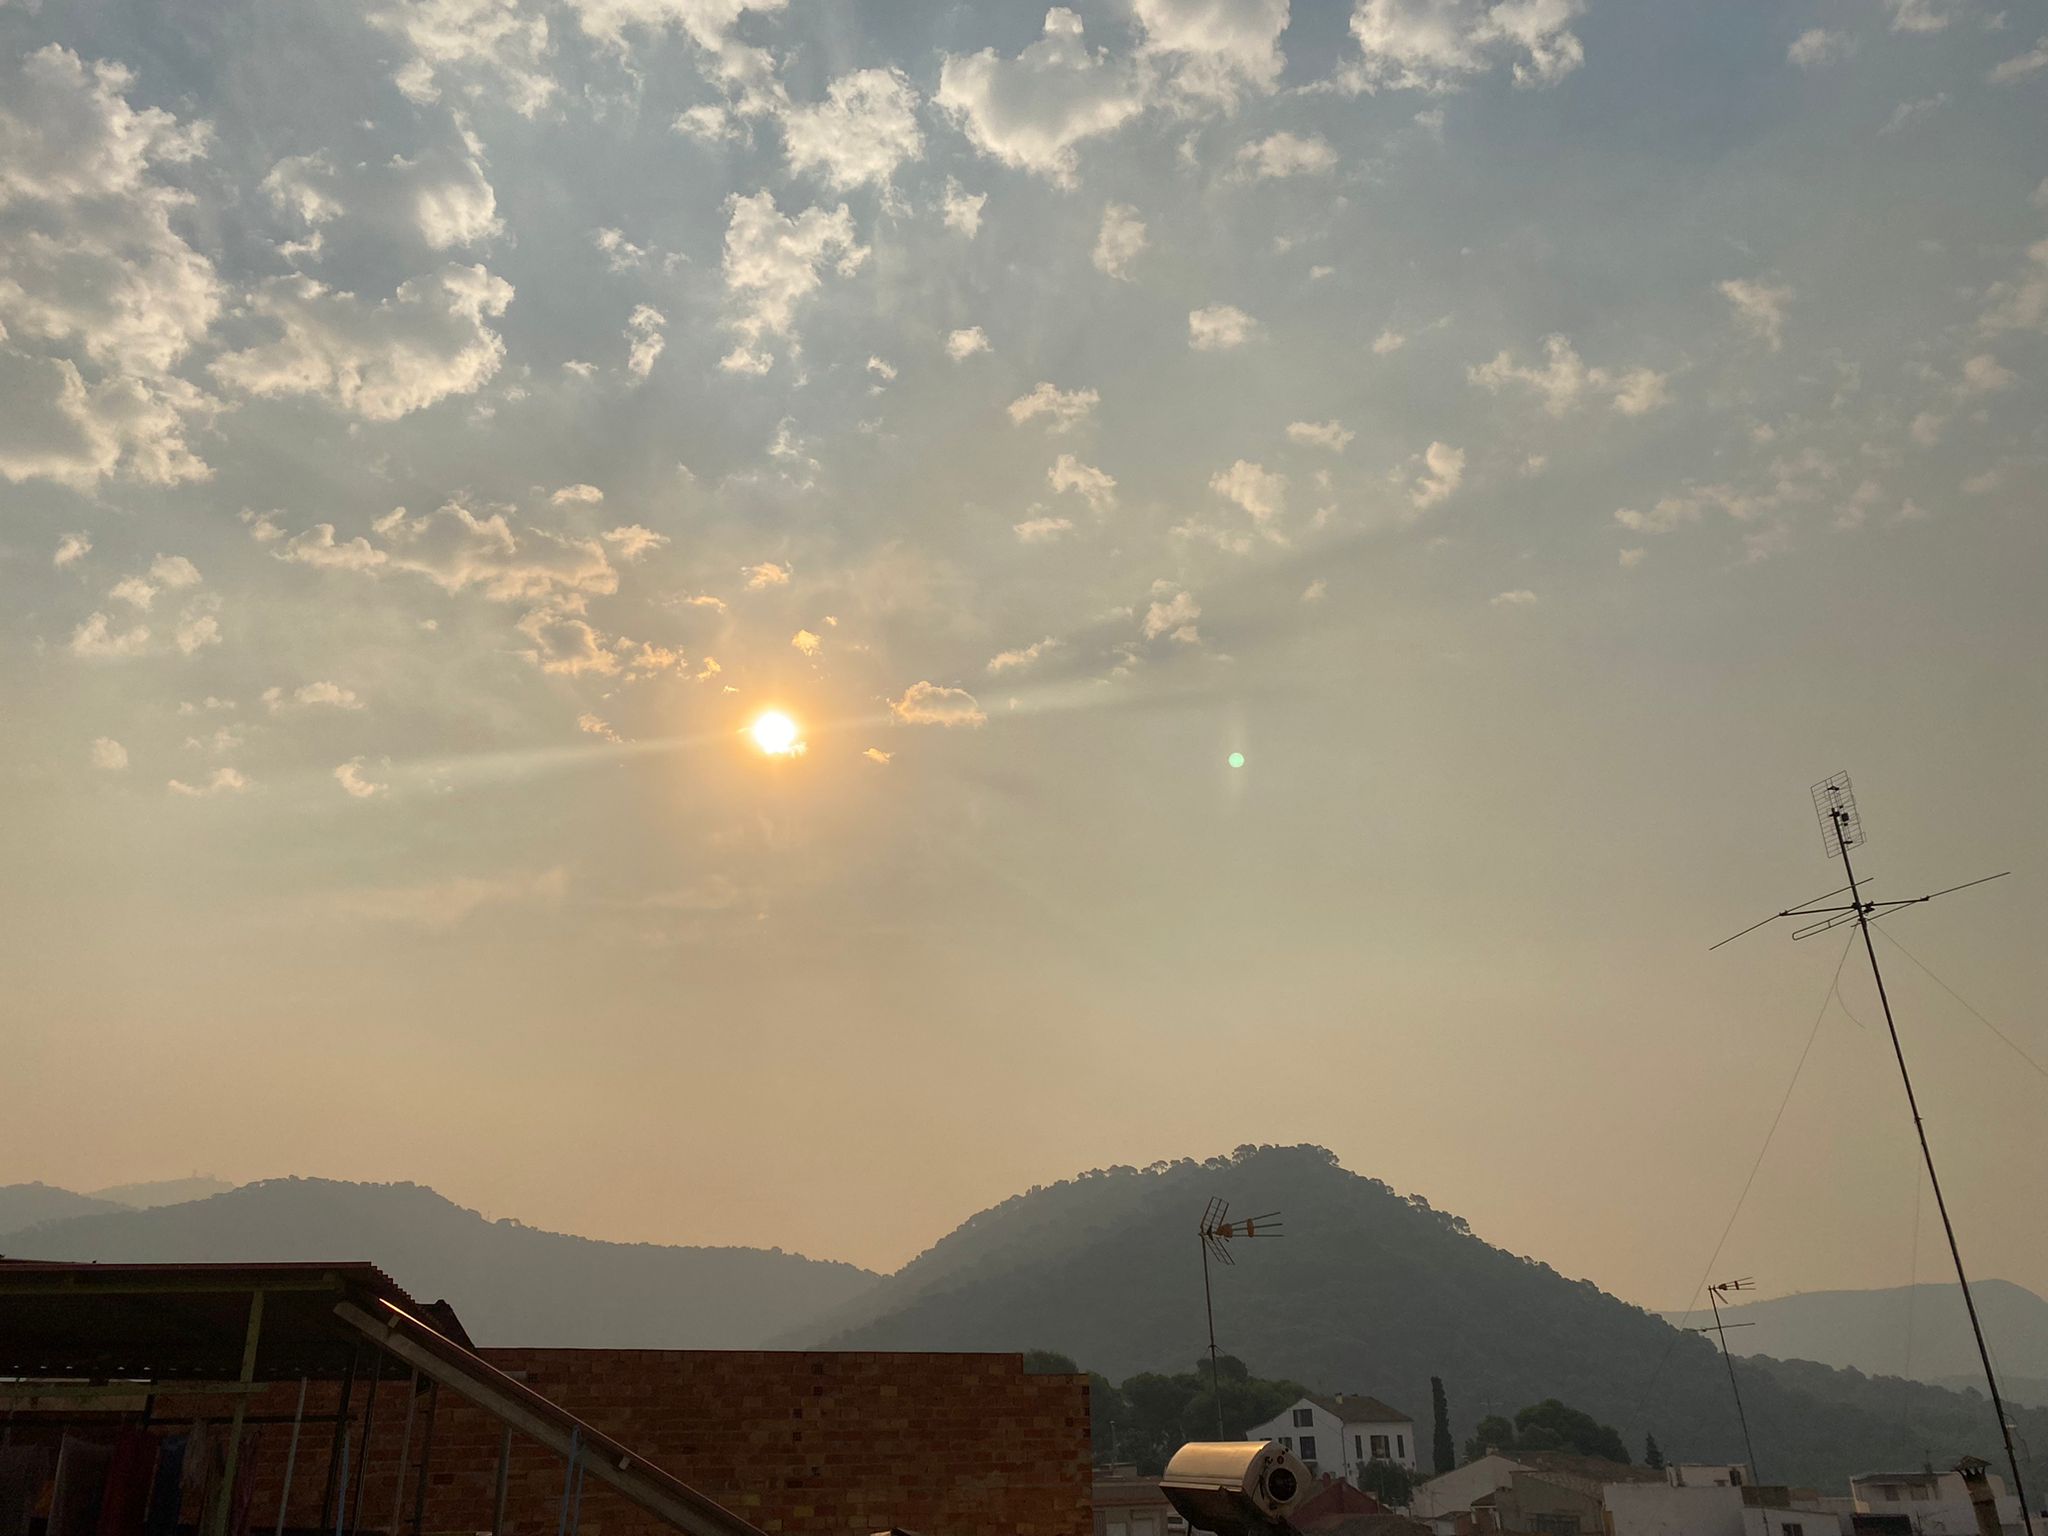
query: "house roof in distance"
1357, 1408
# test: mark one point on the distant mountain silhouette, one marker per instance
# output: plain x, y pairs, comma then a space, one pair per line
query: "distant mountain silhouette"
147, 1196
511, 1284
1919, 1331
1372, 1292
24, 1204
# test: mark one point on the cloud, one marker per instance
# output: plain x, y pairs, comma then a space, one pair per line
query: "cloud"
195, 632
877, 755
314, 695
644, 340
1219, 328
773, 263
1023, 656
596, 725
439, 195
133, 591
1444, 472
222, 781
1759, 309
1632, 557
1434, 45
961, 345
1388, 341
1092, 485
1565, 381
173, 572
380, 361
1215, 50
766, 574
354, 783
1985, 375
469, 42
1816, 47
1320, 434
1042, 530
93, 270
1281, 155
1119, 242
1521, 597
882, 369
71, 548
97, 639
1033, 111
108, 755
576, 496
442, 904
929, 704
708, 123
1315, 591
962, 209
2020, 304
1921, 16
807, 642
1908, 113
2020, 65
864, 128
632, 541
1260, 492
1173, 613
1063, 408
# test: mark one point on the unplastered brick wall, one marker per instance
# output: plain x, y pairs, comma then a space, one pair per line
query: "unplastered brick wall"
939, 1444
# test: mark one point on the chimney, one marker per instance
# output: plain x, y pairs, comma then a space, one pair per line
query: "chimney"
1974, 1472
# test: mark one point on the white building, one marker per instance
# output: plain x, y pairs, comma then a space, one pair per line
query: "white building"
1453, 1492
1938, 1503
1342, 1434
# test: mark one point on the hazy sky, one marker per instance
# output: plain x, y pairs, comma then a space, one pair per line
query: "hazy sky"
1540, 437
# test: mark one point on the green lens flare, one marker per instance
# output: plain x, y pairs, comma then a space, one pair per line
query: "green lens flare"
1237, 759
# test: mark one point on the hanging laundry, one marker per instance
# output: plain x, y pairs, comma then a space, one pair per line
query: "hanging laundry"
21, 1484
131, 1471
167, 1491
81, 1478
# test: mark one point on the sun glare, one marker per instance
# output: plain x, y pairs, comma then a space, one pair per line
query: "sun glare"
774, 733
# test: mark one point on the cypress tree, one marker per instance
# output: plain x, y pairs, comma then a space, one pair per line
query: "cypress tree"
1444, 1450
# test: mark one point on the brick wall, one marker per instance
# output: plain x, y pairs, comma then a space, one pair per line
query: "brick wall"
943, 1445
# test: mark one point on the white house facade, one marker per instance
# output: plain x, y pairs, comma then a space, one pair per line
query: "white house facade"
1341, 1435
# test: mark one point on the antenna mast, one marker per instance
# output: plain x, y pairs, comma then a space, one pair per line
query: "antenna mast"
1720, 1330
1834, 802
1218, 1232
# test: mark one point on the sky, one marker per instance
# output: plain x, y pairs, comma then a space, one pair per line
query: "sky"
1313, 553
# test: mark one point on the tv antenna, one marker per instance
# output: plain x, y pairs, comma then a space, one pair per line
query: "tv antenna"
1841, 827
1218, 1233
1720, 1329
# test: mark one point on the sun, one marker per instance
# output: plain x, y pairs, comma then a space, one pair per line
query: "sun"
775, 733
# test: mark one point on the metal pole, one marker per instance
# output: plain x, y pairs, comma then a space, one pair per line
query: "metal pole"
334, 1464
216, 1522
1209, 1309
291, 1459
504, 1484
419, 1494
412, 1403
2012, 1459
353, 1501
1714, 1299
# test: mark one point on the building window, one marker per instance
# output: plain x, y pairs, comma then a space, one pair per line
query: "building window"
1379, 1447
1358, 1447
1554, 1525
1304, 1418
1401, 1446
1308, 1449
1792, 1528
1287, 1442
1735, 1477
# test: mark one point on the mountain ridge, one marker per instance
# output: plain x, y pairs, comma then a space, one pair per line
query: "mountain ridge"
571, 1291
